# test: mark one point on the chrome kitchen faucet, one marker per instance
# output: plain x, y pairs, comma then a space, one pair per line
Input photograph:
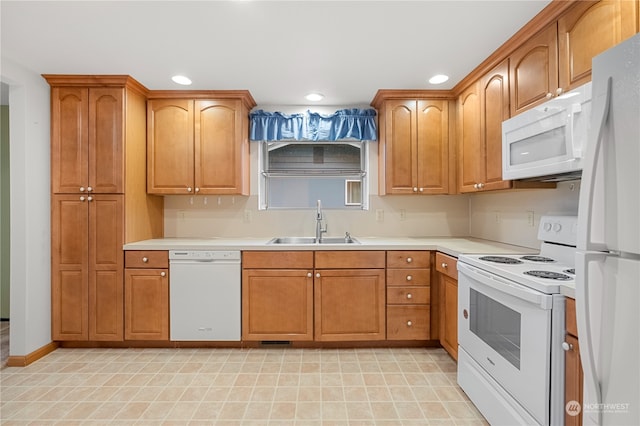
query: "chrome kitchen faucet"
319, 229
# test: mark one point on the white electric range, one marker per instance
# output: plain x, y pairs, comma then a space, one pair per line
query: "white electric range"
511, 328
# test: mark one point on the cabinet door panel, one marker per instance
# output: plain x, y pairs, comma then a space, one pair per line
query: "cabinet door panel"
495, 109
449, 314
349, 305
277, 304
69, 135
218, 153
401, 147
433, 147
106, 140
170, 149
470, 139
69, 267
534, 70
588, 29
106, 263
573, 379
146, 304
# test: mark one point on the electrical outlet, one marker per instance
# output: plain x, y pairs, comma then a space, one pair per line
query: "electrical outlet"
379, 215
531, 218
247, 216
403, 214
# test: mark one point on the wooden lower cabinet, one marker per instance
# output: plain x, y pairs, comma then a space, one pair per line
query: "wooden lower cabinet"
446, 266
277, 295
408, 295
146, 296
573, 375
87, 267
349, 304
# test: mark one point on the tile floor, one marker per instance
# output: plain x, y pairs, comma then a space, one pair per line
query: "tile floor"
272, 386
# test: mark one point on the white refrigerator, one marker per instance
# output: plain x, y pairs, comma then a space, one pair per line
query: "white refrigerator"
608, 257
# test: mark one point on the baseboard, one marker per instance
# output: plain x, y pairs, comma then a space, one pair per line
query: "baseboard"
24, 360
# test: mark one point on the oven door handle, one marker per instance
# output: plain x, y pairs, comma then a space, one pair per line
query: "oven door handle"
505, 286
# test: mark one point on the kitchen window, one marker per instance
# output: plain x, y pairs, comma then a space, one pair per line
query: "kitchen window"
294, 175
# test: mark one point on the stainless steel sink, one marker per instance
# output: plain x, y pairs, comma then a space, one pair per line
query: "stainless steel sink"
311, 240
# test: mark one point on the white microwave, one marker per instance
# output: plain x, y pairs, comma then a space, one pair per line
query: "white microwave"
547, 142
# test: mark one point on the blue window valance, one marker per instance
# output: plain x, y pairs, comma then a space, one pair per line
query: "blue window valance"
358, 124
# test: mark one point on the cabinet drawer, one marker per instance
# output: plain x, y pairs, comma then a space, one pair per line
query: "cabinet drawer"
570, 317
277, 259
408, 259
349, 259
447, 265
408, 277
146, 259
408, 322
408, 295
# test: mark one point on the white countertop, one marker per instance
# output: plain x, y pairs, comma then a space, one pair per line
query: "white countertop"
449, 245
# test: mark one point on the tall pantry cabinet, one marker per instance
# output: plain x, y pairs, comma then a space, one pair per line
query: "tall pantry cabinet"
98, 200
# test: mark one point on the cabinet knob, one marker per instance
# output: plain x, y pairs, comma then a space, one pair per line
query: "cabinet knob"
318, 275
409, 260
145, 259
189, 189
89, 188
89, 198
559, 91
415, 189
409, 277
475, 185
444, 265
163, 274
481, 185
82, 189
309, 275
409, 296
81, 198
197, 189
549, 95
421, 189
409, 323
567, 346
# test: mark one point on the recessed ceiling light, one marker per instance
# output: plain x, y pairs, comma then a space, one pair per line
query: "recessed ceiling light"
181, 79
314, 97
438, 79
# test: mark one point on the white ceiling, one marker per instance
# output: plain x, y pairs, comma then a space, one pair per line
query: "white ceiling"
279, 50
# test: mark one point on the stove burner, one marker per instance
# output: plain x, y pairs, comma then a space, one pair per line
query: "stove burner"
501, 259
571, 271
548, 275
538, 259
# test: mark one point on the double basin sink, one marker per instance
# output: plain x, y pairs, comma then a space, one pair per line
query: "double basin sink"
312, 240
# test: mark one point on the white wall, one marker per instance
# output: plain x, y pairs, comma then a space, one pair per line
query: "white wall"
503, 216
30, 209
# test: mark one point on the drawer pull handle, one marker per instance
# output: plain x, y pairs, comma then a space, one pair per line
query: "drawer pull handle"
163, 274
145, 259
409, 260
409, 296
567, 346
409, 323
444, 265
409, 277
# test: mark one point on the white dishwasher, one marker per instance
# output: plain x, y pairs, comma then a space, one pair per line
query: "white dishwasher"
205, 295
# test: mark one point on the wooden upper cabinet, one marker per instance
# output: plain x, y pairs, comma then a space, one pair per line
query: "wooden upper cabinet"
588, 29
534, 70
494, 109
87, 140
198, 145
170, 149
471, 154
414, 145
219, 153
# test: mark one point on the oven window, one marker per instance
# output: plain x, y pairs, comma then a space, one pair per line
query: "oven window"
497, 325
